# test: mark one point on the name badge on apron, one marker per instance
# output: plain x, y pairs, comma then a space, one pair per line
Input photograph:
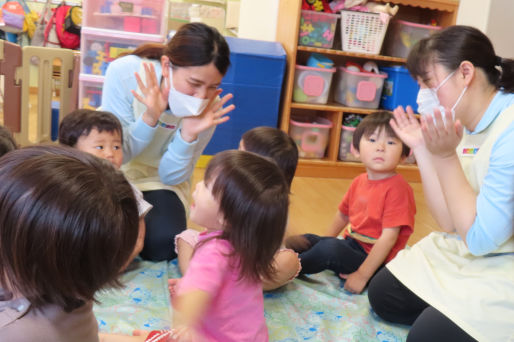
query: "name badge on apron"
468, 150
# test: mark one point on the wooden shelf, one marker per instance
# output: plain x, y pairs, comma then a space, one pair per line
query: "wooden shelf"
444, 12
352, 54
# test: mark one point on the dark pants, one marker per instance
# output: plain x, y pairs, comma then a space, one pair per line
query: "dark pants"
394, 302
166, 219
329, 253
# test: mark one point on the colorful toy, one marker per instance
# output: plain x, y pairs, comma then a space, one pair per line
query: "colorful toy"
317, 60
363, 6
317, 29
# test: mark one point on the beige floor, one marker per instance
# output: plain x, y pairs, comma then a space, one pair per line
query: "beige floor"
314, 202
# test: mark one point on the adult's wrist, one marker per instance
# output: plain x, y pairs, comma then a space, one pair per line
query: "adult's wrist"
149, 119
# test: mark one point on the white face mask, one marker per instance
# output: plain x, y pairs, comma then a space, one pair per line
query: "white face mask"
182, 105
427, 99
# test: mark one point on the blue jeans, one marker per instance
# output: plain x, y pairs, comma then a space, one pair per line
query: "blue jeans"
329, 253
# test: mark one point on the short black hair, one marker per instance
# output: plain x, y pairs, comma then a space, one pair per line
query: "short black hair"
273, 143
7, 142
68, 224
370, 123
80, 122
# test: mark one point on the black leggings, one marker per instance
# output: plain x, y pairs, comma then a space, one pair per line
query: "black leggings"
166, 219
394, 302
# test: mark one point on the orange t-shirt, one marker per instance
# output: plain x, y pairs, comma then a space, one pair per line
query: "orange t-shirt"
372, 205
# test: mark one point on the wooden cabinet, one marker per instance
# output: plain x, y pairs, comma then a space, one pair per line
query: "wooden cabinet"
444, 12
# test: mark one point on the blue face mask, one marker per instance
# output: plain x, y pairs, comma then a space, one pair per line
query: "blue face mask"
182, 105
427, 99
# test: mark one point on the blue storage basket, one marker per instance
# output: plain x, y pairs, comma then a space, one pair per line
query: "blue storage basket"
400, 89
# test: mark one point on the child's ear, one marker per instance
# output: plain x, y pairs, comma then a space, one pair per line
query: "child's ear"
354, 152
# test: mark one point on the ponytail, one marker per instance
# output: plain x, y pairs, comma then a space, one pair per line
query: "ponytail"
506, 79
148, 50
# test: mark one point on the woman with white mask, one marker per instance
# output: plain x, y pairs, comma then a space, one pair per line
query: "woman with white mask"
167, 99
458, 284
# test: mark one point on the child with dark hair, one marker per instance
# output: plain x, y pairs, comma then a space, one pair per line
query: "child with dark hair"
276, 145
7, 142
100, 133
243, 204
68, 224
379, 208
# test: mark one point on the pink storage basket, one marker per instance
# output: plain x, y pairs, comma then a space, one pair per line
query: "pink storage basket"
359, 89
312, 85
310, 134
403, 35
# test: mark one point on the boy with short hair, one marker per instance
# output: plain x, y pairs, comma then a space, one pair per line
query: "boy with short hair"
7, 142
100, 133
379, 206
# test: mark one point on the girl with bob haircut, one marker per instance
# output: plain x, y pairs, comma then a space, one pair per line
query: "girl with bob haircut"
243, 204
68, 223
166, 97
458, 285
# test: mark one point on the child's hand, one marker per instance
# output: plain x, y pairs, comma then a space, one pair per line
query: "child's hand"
298, 243
172, 288
355, 282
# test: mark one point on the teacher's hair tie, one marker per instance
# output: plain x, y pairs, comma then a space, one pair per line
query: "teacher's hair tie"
498, 60
158, 336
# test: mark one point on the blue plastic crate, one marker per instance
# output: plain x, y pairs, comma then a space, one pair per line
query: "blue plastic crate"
255, 79
400, 89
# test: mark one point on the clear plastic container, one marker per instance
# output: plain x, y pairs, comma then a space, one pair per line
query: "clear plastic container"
317, 29
404, 35
141, 16
312, 85
310, 134
346, 144
90, 91
359, 89
100, 47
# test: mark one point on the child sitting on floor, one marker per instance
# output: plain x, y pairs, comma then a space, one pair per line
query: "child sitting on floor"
100, 133
7, 142
243, 204
68, 224
275, 144
379, 206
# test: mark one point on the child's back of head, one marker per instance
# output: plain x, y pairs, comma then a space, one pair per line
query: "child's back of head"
7, 142
370, 123
275, 144
68, 223
81, 122
253, 198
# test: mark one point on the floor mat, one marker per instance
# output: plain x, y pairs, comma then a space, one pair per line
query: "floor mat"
312, 308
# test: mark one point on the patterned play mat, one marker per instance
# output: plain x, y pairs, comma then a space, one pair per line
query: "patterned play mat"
313, 308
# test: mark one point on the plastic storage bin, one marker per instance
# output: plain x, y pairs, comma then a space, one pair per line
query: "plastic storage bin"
141, 16
346, 145
90, 92
317, 29
310, 134
100, 47
363, 31
312, 85
255, 77
404, 35
400, 89
359, 89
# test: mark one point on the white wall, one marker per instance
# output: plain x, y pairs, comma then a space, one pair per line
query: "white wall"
494, 18
258, 19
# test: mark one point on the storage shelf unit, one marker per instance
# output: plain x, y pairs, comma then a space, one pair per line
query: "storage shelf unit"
444, 12
111, 27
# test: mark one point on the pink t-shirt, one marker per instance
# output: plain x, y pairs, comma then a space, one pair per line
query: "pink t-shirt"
236, 311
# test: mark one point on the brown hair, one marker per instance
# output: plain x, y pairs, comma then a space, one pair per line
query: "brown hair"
7, 142
369, 125
68, 223
194, 44
80, 122
455, 44
253, 196
273, 143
